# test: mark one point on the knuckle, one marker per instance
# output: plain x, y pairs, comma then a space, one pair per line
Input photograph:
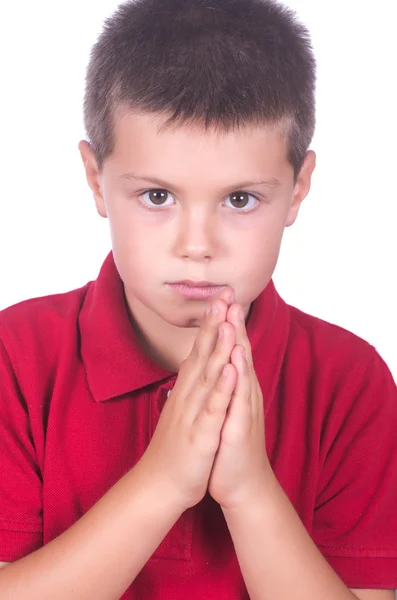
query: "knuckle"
192, 437
199, 354
205, 378
213, 410
221, 352
220, 384
245, 396
228, 327
220, 358
229, 339
216, 406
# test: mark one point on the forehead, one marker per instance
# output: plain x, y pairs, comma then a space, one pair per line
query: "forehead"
143, 138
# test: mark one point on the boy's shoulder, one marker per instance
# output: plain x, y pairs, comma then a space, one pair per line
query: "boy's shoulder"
41, 320
324, 338
332, 357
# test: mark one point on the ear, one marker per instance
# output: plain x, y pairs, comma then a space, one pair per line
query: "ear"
93, 176
302, 186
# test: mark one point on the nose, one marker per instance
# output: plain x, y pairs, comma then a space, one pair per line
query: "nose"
196, 235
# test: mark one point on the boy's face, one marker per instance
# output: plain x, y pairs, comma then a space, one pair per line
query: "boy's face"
177, 215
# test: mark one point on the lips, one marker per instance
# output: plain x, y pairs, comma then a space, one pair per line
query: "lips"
196, 290
191, 283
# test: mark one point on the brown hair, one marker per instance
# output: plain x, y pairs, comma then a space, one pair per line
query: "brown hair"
222, 63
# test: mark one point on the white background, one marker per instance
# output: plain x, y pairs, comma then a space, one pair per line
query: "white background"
338, 261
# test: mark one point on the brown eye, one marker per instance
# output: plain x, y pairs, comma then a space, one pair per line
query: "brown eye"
244, 201
157, 197
239, 199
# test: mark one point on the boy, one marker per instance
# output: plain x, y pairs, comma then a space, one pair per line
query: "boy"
174, 429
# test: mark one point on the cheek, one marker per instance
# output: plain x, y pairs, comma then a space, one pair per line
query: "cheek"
259, 259
261, 236
257, 254
133, 250
130, 221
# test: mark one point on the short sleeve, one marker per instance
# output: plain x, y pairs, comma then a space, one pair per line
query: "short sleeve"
355, 517
20, 478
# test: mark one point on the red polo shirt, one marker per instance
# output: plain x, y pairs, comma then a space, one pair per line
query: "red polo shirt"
79, 402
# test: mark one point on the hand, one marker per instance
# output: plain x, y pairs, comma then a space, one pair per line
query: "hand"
241, 468
181, 453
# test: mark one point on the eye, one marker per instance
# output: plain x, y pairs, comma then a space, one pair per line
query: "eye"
242, 200
156, 198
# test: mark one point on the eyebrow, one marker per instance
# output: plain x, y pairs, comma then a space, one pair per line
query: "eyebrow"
271, 183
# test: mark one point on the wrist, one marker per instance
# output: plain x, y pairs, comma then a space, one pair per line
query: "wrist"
155, 491
254, 498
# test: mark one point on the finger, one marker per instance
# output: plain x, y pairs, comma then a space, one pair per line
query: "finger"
210, 395
207, 378
249, 384
239, 414
236, 316
207, 335
243, 387
220, 357
213, 413
228, 295
212, 371
199, 367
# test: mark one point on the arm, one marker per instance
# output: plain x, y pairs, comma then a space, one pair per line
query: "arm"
101, 554
278, 558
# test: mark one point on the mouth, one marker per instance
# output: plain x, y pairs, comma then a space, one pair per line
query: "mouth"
196, 290
192, 283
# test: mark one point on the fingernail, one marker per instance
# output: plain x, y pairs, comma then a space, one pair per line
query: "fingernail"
241, 315
208, 309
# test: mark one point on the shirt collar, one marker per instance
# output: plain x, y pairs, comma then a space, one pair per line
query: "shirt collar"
116, 365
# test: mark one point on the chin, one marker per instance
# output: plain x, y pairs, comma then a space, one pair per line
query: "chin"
186, 322
179, 319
